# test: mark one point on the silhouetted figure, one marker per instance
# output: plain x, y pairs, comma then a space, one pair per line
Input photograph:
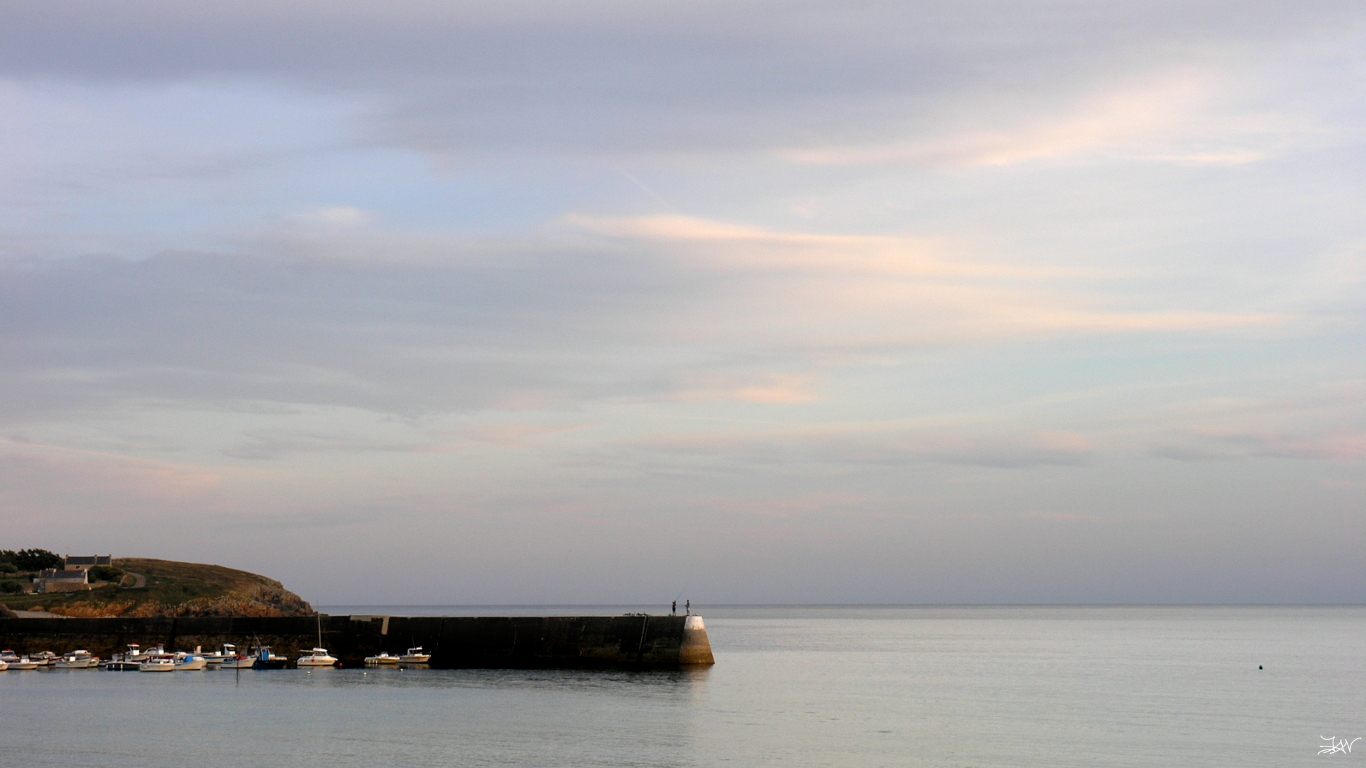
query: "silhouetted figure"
688, 607
673, 610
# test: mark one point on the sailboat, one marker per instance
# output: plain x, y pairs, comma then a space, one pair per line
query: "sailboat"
318, 657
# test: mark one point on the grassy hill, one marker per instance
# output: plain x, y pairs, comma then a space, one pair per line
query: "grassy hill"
171, 589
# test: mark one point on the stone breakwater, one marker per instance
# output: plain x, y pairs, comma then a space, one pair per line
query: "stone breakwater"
455, 642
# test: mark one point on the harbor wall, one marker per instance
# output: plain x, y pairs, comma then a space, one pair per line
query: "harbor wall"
455, 642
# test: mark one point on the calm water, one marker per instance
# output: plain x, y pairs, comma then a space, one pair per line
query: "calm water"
802, 686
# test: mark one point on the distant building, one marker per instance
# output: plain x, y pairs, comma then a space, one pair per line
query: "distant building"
86, 563
53, 580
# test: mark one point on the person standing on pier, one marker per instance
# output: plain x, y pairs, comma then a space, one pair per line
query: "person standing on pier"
673, 610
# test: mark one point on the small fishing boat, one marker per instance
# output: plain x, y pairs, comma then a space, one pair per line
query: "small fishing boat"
120, 663
156, 650
22, 664
382, 659
46, 658
78, 660
318, 657
214, 658
162, 662
189, 662
238, 661
137, 654
415, 656
267, 660
8, 655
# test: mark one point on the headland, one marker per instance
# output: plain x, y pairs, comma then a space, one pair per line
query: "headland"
120, 601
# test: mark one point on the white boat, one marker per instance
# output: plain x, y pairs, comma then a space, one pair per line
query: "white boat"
8, 656
219, 656
22, 664
4, 665
46, 658
162, 662
78, 660
381, 659
137, 654
318, 657
189, 662
415, 656
238, 661
127, 661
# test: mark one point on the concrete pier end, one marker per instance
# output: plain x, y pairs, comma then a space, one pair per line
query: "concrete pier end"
695, 647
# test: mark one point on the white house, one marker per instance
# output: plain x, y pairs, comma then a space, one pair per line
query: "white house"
53, 580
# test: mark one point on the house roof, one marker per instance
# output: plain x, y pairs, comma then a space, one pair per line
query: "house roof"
54, 575
92, 560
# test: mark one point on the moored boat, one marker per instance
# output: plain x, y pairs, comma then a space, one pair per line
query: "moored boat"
317, 657
238, 661
127, 661
415, 656
214, 658
22, 664
78, 660
189, 662
138, 654
161, 662
265, 659
382, 659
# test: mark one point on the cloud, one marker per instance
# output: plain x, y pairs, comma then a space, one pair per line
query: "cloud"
876, 446
1145, 122
339, 215
653, 308
1215, 443
868, 83
899, 291
734, 247
261, 445
761, 388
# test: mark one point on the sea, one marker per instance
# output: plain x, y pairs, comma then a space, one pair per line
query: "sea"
846, 686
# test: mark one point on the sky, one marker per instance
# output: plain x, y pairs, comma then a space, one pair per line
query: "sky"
424, 302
